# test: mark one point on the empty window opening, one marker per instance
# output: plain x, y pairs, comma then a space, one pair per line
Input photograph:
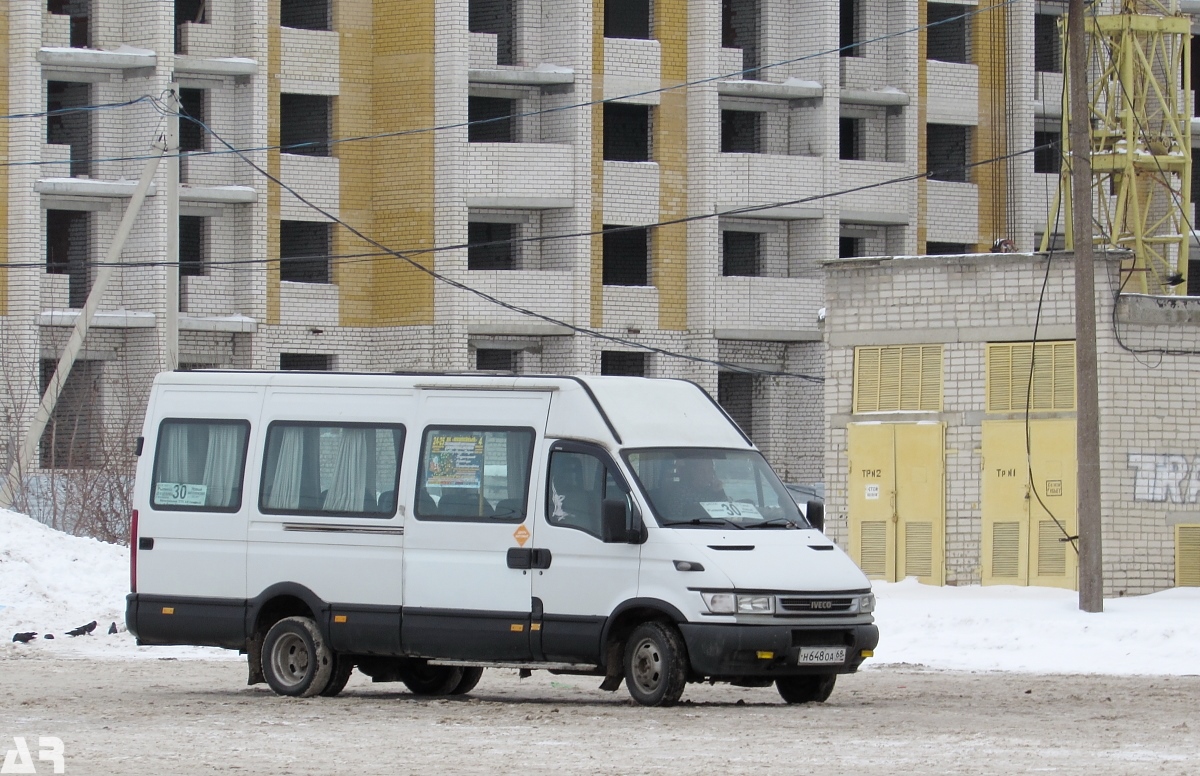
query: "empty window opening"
1195, 44
491, 120
739, 29
850, 138
626, 132
68, 124
495, 360
72, 436
946, 152
627, 19
305, 362
489, 246
1195, 202
494, 17
80, 12
626, 256
849, 247
188, 12
849, 29
191, 134
304, 251
68, 247
741, 254
1193, 279
304, 123
946, 249
735, 393
1047, 152
622, 364
947, 33
741, 132
1047, 45
305, 14
193, 231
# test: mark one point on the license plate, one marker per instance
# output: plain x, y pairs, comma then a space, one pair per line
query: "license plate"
821, 655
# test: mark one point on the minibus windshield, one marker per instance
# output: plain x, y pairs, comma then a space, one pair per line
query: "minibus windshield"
701, 487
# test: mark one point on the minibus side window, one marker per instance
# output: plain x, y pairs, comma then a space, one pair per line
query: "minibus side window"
199, 465
474, 474
334, 470
579, 484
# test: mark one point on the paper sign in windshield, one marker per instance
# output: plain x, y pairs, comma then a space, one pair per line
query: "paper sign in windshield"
731, 510
180, 494
455, 460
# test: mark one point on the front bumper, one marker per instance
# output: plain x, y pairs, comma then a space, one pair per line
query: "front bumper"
716, 650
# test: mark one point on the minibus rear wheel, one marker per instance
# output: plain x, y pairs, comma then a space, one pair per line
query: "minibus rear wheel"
424, 679
296, 661
655, 664
342, 668
813, 688
470, 678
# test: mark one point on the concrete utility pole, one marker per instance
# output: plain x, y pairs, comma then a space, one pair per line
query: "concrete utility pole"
104, 274
1087, 417
171, 314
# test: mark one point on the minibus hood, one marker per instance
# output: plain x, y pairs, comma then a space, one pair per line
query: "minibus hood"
777, 559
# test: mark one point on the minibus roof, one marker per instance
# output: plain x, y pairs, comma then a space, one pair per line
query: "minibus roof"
627, 411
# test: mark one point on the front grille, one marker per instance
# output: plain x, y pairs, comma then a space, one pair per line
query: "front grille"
817, 605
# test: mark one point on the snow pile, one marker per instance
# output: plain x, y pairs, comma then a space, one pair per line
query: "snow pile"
1036, 630
51, 582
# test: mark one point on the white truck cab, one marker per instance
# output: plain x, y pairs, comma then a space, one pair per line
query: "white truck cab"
424, 527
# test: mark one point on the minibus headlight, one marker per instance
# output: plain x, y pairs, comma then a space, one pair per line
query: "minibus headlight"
866, 604
756, 604
720, 603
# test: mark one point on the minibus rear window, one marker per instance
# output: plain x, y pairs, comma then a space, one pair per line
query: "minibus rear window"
334, 470
474, 474
199, 465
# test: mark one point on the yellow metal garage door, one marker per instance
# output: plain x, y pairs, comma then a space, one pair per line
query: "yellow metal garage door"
897, 500
1023, 530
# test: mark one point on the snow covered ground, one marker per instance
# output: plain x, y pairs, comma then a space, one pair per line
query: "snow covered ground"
51, 582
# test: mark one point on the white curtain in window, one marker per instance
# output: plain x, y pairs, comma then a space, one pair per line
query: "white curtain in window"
174, 467
222, 465
285, 485
348, 488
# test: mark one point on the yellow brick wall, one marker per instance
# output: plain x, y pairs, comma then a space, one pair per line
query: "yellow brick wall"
353, 116
597, 284
669, 259
274, 62
989, 45
397, 93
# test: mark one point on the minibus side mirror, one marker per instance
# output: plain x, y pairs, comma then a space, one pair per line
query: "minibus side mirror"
815, 512
614, 523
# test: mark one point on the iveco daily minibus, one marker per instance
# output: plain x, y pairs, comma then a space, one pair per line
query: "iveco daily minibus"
421, 528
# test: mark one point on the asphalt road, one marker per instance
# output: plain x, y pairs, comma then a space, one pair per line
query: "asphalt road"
198, 716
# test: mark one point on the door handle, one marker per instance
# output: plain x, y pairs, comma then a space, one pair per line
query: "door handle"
519, 558
541, 558
145, 542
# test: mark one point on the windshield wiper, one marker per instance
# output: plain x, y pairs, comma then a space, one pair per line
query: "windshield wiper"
706, 521
776, 522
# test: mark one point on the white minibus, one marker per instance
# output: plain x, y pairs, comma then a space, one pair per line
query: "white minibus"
421, 528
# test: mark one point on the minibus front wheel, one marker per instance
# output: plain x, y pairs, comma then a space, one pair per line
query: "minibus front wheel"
656, 664
296, 661
812, 688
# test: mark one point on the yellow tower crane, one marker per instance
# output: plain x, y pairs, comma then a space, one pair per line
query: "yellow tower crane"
1141, 140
